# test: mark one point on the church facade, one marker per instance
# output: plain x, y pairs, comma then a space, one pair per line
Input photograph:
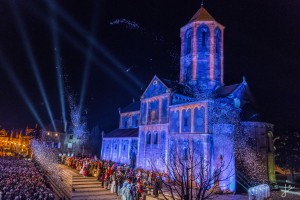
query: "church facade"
198, 111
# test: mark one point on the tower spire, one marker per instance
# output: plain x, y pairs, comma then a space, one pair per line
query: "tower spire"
202, 3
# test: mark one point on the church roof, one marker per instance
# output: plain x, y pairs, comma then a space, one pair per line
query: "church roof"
134, 106
128, 132
240, 91
178, 87
202, 15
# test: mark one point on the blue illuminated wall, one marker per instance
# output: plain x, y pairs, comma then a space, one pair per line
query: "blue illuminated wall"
186, 121
121, 150
164, 111
174, 121
199, 120
155, 88
223, 149
130, 119
125, 122
143, 112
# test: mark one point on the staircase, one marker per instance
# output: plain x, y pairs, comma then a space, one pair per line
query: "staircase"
80, 187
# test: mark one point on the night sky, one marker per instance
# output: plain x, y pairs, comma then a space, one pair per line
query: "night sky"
137, 39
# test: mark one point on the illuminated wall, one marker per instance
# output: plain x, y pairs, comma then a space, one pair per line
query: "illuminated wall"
130, 119
121, 150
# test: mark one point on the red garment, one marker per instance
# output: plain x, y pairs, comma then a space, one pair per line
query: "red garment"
140, 187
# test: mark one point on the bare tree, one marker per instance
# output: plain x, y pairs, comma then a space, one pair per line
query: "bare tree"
188, 176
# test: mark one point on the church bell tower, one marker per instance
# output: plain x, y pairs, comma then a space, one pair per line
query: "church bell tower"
201, 61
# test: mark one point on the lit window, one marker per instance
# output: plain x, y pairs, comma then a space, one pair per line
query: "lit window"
153, 116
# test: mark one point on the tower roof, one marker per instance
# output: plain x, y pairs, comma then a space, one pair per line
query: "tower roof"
202, 15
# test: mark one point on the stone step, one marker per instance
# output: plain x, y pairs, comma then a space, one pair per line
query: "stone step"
85, 178
88, 186
88, 189
86, 183
97, 197
86, 194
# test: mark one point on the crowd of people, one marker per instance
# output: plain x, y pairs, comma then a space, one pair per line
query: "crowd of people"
122, 180
22, 180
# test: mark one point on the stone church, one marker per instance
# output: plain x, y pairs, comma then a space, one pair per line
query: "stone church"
198, 111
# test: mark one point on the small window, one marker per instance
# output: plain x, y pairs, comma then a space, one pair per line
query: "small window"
116, 146
185, 122
203, 38
71, 137
148, 138
125, 124
124, 147
155, 138
188, 42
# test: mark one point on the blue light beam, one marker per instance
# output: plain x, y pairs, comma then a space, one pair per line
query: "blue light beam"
87, 64
91, 39
33, 63
14, 79
58, 66
73, 41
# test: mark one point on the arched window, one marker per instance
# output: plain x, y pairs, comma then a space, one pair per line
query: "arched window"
155, 138
125, 124
148, 138
188, 42
217, 56
203, 37
217, 40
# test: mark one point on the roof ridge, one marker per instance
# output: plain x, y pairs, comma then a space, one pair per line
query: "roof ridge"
202, 15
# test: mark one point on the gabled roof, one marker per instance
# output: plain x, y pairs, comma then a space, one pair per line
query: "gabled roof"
117, 133
240, 91
178, 88
202, 15
134, 106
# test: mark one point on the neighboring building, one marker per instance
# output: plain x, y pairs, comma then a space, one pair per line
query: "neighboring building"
16, 142
197, 111
61, 138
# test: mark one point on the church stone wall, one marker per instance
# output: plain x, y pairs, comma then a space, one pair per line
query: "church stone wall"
223, 151
121, 150
151, 146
